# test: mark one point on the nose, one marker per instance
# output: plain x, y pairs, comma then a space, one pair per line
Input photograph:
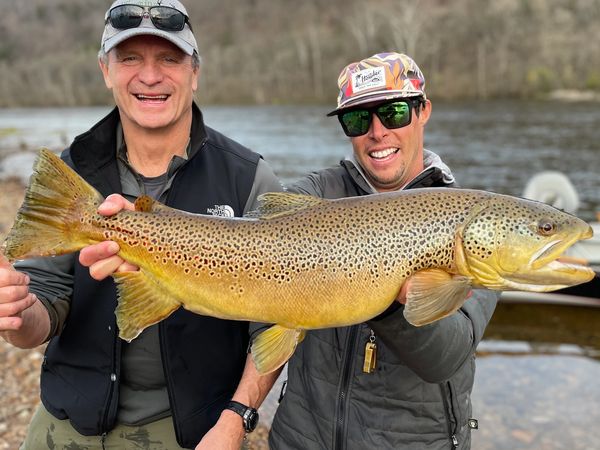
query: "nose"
150, 73
377, 130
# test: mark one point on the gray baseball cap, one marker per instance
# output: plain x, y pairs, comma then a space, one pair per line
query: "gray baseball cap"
183, 39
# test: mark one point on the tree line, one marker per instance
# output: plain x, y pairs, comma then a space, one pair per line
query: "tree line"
276, 52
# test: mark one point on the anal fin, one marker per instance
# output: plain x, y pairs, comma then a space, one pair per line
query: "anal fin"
142, 303
434, 294
273, 347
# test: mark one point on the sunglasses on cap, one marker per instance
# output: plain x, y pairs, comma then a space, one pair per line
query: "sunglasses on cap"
394, 114
163, 17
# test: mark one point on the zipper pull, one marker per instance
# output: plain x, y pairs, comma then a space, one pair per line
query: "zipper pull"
454, 441
370, 354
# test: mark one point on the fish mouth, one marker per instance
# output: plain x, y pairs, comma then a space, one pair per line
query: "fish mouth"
551, 267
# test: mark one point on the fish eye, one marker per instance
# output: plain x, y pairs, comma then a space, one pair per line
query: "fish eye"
546, 228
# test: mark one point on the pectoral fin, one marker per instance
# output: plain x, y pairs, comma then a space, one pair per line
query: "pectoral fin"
273, 347
434, 294
141, 303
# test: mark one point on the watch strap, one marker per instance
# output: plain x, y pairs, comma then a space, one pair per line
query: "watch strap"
249, 415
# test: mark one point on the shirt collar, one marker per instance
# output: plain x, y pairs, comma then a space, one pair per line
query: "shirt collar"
430, 160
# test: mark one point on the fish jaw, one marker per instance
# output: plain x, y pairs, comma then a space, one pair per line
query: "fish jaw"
521, 261
545, 265
559, 274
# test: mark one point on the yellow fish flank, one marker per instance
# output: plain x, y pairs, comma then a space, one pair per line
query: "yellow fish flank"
302, 262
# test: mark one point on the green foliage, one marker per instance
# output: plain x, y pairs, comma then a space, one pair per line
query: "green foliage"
593, 81
540, 80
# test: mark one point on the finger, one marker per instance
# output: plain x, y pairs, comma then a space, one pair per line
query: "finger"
401, 298
17, 307
127, 267
113, 204
13, 293
97, 252
10, 277
10, 323
105, 267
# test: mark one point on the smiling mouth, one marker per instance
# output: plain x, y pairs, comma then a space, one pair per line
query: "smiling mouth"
382, 154
152, 98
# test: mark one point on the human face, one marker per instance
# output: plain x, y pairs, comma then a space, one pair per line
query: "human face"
153, 83
390, 158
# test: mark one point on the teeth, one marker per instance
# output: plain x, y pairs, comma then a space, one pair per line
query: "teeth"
151, 97
383, 153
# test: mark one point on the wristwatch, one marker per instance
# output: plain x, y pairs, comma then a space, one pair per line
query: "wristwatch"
249, 415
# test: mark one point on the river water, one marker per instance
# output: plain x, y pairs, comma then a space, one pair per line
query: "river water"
495, 146
538, 369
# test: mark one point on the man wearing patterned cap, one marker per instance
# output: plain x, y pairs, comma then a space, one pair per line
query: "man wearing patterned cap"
383, 384
169, 387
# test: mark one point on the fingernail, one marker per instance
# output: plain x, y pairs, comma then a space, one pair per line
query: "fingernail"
113, 247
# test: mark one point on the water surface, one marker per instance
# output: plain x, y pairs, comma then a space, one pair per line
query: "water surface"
495, 146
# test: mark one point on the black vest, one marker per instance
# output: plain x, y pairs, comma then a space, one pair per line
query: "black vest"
203, 357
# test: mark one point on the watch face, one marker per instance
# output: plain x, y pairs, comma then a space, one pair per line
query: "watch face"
250, 420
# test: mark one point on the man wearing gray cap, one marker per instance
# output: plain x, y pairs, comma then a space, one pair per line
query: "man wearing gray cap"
184, 382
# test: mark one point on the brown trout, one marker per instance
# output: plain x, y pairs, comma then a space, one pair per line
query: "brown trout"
302, 262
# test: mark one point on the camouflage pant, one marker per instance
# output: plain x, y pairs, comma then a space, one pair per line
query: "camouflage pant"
48, 433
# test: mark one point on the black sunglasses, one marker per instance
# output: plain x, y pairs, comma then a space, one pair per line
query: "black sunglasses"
394, 114
163, 17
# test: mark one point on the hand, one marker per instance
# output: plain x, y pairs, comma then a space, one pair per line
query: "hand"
401, 298
227, 434
102, 258
14, 296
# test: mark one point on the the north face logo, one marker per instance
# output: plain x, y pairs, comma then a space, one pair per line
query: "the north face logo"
221, 211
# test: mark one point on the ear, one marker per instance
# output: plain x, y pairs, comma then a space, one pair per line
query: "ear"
104, 69
425, 113
196, 78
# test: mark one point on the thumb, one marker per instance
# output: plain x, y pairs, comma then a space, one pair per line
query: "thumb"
113, 204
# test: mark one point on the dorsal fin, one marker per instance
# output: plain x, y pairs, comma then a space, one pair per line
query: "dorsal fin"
149, 205
277, 204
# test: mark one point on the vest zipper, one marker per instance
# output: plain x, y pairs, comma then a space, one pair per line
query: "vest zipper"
104, 427
165, 363
347, 365
163, 345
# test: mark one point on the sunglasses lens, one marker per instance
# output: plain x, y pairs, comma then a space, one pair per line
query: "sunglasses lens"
163, 17
394, 115
126, 16
167, 18
355, 123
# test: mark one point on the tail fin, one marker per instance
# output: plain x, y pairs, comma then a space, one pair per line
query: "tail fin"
50, 221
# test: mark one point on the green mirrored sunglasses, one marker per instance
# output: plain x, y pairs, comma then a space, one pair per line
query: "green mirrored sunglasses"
394, 114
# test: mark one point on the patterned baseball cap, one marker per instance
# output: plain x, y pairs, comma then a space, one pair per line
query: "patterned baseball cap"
183, 39
381, 77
